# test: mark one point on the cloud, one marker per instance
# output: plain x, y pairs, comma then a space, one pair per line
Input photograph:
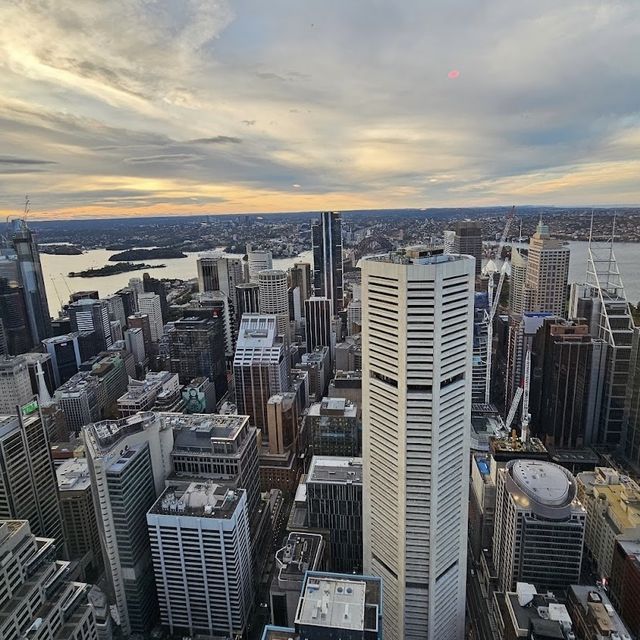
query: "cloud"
216, 140
169, 157
14, 160
353, 103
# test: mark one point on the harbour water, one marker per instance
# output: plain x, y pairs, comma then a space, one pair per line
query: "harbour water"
59, 286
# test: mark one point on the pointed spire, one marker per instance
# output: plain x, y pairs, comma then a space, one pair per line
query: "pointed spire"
44, 397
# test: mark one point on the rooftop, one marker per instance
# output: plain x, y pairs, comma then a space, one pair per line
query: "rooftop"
279, 633
603, 616
335, 469
333, 407
107, 433
73, 475
198, 429
301, 553
545, 482
199, 500
339, 602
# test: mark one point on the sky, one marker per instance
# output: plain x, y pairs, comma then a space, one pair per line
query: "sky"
155, 107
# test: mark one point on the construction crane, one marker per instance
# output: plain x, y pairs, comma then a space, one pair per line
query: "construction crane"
494, 301
522, 393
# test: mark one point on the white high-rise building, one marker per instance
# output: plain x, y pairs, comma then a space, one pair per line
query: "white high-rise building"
274, 297
258, 261
15, 384
129, 461
417, 335
202, 559
149, 303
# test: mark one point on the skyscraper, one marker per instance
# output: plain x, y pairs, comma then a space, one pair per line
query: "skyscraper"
468, 241
248, 299
149, 303
88, 314
274, 297
31, 279
517, 280
38, 598
417, 342
326, 237
258, 260
219, 273
197, 349
568, 368
129, 462
547, 273
65, 355
15, 384
13, 315
317, 313
207, 590
539, 526
260, 367
28, 486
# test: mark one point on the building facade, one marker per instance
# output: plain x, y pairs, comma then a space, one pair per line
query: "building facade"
417, 335
326, 238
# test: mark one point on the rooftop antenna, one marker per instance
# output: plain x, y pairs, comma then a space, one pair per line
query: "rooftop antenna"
27, 207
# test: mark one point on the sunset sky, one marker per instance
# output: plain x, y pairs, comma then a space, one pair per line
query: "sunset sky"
148, 107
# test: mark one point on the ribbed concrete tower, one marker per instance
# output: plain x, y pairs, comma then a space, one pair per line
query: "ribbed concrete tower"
417, 344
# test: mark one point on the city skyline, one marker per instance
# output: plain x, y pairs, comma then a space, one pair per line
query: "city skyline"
265, 108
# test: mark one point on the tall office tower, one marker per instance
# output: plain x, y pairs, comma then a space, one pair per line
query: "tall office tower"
13, 315
449, 241
28, 488
547, 273
468, 241
216, 447
301, 287
260, 367
141, 321
348, 354
128, 462
207, 274
248, 299
153, 285
38, 599
274, 297
517, 280
136, 285
333, 428
65, 356
482, 504
334, 605
318, 365
480, 344
15, 384
79, 516
215, 304
80, 400
115, 305
149, 303
326, 237
334, 503
258, 261
217, 273
317, 313
302, 552
134, 341
88, 314
602, 301
129, 303
612, 503
197, 349
280, 465
632, 450
35, 294
535, 503
566, 386
417, 331
208, 590
354, 317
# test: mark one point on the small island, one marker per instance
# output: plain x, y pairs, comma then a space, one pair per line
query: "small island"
60, 249
160, 253
112, 269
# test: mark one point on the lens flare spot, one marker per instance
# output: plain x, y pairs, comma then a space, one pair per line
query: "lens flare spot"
453, 74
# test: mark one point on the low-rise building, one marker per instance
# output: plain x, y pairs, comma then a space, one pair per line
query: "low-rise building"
624, 585
332, 428
612, 502
593, 614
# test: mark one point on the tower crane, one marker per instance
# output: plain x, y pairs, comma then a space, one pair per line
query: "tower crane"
494, 301
522, 393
